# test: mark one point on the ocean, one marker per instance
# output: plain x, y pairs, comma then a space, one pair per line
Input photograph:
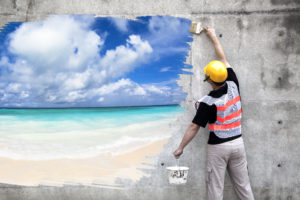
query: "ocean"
60, 133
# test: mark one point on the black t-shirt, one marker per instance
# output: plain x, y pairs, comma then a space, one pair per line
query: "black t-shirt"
208, 114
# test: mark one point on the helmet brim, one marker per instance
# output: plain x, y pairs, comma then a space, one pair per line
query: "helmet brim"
206, 78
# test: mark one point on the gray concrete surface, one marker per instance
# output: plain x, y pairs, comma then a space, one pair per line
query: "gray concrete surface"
262, 41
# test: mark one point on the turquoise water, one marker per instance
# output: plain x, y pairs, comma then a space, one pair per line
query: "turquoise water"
117, 116
85, 117
71, 132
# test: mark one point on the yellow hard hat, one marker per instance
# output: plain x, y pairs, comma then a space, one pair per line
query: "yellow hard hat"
216, 71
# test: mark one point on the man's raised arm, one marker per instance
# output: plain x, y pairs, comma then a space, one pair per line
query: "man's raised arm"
211, 33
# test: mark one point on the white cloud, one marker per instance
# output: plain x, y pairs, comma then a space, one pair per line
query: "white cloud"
120, 23
77, 81
50, 45
128, 92
125, 86
158, 89
124, 58
133, 88
112, 87
5, 96
139, 91
165, 69
100, 99
50, 98
167, 29
57, 61
14, 87
74, 96
3, 61
166, 33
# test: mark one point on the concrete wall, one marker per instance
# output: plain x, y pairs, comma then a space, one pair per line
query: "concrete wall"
262, 41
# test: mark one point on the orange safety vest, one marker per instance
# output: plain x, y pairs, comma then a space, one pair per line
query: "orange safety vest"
229, 112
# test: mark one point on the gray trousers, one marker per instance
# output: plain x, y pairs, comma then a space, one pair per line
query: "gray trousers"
231, 156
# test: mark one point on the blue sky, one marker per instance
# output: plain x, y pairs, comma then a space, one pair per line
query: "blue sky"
83, 61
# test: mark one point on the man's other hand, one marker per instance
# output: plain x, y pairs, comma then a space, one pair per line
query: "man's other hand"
178, 153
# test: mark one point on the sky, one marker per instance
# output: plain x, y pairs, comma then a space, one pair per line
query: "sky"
83, 61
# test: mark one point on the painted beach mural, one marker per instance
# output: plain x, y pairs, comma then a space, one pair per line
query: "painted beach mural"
88, 100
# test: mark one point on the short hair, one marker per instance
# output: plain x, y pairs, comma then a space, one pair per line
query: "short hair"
218, 84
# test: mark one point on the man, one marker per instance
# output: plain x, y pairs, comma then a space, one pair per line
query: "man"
221, 109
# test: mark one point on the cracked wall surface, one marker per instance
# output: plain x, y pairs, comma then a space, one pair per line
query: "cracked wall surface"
262, 42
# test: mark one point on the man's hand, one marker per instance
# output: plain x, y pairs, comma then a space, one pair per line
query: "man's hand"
210, 32
178, 152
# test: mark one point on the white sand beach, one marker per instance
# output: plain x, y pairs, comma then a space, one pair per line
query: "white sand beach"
99, 171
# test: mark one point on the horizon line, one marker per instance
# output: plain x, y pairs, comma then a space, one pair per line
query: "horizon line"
86, 107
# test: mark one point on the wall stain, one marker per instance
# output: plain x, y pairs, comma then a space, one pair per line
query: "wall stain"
285, 2
283, 79
240, 23
286, 40
14, 4
289, 198
29, 8
245, 12
292, 23
265, 193
240, 26
262, 73
280, 33
264, 83
244, 2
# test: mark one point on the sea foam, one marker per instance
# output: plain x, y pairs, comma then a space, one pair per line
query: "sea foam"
65, 138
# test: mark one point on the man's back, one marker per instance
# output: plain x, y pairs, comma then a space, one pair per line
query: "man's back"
222, 110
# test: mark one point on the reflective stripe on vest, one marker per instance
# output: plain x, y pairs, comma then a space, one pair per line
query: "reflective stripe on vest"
225, 126
229, 112
229, 117
228, 104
